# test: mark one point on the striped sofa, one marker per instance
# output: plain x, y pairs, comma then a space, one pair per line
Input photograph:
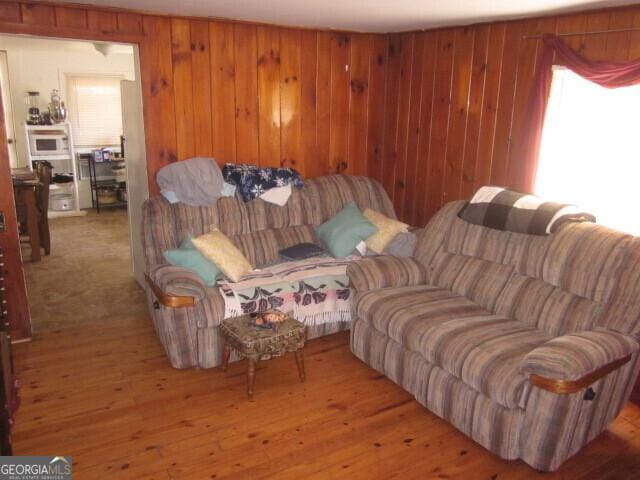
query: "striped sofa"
527, 344
186, 313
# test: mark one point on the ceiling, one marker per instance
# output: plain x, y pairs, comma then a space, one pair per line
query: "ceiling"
8, 41
360, 15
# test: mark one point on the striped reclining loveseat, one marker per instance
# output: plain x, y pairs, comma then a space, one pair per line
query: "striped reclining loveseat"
527, 344
186, 313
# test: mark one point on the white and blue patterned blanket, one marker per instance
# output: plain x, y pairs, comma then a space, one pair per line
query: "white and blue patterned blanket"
252, 181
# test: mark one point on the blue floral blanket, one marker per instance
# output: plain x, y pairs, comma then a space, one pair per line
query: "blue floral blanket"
316, 290
252, 181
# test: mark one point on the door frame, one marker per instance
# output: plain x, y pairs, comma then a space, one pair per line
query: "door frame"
11, 263
14, 280
135, 170
11, 121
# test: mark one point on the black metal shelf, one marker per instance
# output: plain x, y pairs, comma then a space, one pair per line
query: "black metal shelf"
113, 205
95, 184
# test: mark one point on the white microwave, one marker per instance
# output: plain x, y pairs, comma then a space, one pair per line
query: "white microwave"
42, 143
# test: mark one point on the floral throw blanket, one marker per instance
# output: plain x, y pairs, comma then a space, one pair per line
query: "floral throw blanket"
316, 290
252, 181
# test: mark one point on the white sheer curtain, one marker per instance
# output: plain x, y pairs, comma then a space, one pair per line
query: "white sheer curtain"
95, 110
590, 150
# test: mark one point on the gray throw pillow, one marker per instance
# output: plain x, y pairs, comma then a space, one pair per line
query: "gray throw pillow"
403, 245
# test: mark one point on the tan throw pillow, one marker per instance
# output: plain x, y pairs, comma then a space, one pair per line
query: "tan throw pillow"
219, 249
387, 227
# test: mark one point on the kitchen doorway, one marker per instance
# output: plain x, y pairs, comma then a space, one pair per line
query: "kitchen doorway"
76, 108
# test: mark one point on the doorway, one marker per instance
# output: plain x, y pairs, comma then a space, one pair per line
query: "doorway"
95, 148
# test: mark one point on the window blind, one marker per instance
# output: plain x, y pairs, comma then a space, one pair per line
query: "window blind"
95, 110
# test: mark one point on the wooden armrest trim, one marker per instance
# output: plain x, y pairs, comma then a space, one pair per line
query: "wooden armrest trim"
571, 386
173, 301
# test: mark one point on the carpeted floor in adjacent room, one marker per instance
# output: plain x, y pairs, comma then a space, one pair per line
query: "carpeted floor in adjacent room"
87, 277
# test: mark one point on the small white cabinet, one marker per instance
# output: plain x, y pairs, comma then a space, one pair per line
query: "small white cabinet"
44, 142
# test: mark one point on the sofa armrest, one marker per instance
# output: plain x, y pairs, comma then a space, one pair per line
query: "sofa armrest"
384, 271
175, 286
572, 362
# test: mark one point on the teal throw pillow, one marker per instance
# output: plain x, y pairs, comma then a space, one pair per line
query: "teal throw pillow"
187, 256
345, 230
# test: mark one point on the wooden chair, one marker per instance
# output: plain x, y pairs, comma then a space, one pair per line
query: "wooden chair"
44, 173
43, 170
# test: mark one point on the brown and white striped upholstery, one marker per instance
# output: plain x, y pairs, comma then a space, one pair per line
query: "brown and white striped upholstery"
454, 333
487, 422
623, 309
189, 335
461, 325
178, 281
495, 308
159, 230
571, 357
261, 247
386, 271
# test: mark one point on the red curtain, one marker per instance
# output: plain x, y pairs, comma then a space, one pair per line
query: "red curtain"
606, 74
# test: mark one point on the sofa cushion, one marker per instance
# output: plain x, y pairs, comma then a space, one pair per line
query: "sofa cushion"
485, 352
158, 230
623, 311
262, 247
405, 314
431, 238
482, 349
479, 280
300, 209
484, 243
227, 215
335, 191
543, 306
384, 271
581, 258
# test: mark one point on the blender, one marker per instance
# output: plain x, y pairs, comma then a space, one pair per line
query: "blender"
32, 100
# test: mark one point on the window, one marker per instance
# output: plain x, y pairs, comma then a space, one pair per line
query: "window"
95, 110
590, 150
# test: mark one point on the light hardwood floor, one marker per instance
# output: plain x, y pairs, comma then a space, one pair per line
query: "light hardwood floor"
105, 394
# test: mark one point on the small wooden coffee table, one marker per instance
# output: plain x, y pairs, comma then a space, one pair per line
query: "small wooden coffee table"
255, 344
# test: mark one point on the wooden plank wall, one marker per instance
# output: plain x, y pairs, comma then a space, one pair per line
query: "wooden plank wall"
277, 96
456, 102
240, 92
236, 91
432, 115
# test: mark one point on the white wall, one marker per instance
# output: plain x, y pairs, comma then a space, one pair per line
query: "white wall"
43, 64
